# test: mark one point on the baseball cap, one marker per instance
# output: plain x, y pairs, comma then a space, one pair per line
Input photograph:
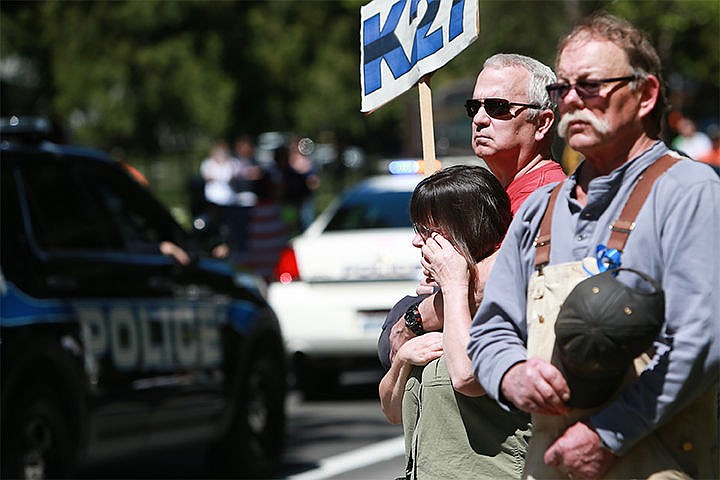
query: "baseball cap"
601, 327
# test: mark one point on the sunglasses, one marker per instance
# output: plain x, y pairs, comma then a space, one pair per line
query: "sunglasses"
494, 107
584, 88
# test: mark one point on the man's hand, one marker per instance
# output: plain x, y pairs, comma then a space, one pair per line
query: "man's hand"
431, 313
399, 334
579, 452
536, 386
421, 350
426, 286
175, 252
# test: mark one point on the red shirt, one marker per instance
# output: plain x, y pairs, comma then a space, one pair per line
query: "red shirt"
520, 188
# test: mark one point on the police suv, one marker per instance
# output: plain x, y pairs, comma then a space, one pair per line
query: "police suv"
110, 347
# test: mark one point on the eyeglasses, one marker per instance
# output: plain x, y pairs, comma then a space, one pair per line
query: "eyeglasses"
494, 107
422, 230
584, 88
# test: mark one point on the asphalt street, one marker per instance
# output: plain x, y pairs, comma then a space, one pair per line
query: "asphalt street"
344, 436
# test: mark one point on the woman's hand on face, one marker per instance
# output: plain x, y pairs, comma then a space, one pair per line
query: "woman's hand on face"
445, 264
421, 350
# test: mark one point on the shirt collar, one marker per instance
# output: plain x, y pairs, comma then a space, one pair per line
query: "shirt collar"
632, 168
603, 188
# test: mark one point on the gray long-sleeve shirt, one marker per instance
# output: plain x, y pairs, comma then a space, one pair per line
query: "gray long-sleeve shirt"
676, 241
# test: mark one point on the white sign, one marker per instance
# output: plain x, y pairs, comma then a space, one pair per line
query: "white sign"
402, 40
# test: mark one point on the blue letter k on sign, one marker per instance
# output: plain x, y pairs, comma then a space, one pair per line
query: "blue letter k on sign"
379, 45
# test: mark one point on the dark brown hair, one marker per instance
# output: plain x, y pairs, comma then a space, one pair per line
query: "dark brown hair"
468, 205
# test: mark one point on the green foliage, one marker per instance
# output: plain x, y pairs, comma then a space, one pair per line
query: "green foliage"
169, 76
126, 74
684, 32
161, 79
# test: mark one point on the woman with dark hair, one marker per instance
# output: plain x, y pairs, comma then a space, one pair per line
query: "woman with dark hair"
460, 215
466, 205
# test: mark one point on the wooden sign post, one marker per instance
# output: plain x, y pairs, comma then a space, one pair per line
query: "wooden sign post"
426, 126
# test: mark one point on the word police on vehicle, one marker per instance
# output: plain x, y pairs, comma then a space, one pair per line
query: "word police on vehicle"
153, 336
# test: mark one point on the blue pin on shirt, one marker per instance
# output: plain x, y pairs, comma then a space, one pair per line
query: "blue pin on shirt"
607, 259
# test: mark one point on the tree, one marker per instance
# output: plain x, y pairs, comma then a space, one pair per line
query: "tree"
686, 35
129, 74
169, 75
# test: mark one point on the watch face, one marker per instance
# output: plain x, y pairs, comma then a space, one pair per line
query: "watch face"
413, 320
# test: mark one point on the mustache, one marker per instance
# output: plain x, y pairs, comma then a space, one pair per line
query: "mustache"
600, 126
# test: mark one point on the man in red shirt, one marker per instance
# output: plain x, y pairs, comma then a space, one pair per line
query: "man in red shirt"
515, 146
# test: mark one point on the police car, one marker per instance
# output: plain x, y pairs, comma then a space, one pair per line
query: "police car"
340, 278
109, 346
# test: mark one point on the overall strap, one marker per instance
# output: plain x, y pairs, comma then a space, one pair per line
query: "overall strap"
542, 241
625, 223
621, 227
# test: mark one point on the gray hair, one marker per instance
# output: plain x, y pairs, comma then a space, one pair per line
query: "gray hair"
540, 76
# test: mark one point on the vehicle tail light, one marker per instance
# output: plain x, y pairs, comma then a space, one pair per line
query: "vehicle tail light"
286, 269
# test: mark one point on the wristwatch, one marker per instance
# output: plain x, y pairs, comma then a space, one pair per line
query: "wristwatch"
413, 321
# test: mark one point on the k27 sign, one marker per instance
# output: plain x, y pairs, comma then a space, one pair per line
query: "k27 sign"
402, 40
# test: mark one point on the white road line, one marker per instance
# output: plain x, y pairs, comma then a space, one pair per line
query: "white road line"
361, 457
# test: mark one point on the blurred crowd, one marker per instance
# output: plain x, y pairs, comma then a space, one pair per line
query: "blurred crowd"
246, 210
703, 146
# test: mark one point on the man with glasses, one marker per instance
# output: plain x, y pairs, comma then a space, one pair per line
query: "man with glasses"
512, 123
662, 419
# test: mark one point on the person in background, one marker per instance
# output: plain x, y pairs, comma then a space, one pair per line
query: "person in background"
267, 232
167, 247
661, 421
301, 161
299, 180
512, 120
119, 155
243, 185
712, 158
220, 171
690, 141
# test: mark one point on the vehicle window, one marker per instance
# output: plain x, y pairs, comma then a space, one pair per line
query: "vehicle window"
82, 205
372, 210
62, 214
136, 217
15, 256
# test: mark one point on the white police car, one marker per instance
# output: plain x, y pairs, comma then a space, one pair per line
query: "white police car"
110, 347
342, 276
